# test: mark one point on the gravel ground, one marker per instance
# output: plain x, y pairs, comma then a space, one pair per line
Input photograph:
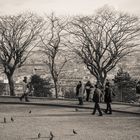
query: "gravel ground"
62, 121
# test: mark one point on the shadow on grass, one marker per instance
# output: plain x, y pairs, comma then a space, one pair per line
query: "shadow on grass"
5, 123
66, 135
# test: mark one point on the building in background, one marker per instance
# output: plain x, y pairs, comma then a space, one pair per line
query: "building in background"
73, 71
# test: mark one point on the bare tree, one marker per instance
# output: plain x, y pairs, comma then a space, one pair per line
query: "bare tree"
103, 39
53, 45
18, 36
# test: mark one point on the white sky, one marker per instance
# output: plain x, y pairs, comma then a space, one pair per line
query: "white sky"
66, 7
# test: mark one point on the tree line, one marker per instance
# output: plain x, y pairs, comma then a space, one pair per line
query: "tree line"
100, 40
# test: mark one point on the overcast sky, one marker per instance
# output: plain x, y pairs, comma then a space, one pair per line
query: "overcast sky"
66, 7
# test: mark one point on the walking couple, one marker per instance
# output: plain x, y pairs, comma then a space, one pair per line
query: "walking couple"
107, 99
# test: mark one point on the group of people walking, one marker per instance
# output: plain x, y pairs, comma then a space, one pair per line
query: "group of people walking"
96, 93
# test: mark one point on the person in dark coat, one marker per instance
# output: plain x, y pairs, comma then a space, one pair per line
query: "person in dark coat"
96, 99
78, 87
107, 99
87, 87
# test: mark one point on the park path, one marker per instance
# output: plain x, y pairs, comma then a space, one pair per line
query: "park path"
117, 107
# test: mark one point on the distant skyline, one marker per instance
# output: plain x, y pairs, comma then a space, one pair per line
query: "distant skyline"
66, 7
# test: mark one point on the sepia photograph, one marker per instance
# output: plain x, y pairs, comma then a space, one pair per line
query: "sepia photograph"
69, 69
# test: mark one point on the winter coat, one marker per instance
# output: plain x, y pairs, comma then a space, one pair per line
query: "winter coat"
77, 89
96, 95
107, 96
25, 88
88, 85
81, 91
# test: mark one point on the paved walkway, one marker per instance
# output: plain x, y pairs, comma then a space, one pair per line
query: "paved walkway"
116, 107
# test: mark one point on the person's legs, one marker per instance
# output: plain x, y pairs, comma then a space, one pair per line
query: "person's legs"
94, 109
106, 108
99, 110
109, 108
81, 101
21, 97
26, 98
88, 92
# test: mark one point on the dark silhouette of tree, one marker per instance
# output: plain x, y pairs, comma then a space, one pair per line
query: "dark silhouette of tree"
41, 86
101, 40
18, 36
125, 86
53, 46
121, 76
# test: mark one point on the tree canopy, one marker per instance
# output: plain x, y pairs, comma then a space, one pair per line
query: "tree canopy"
101, 40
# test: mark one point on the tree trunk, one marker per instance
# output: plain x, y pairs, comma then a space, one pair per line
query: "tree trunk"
101, 80
100, 76
11, 85
56, 90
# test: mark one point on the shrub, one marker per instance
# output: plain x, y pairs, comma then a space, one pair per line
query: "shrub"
125, 86
70, 93
41, 86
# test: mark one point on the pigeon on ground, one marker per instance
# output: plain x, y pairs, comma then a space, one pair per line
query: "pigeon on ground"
76, 109
39, 135
30, 111
4, 120
51, 134
74, 132
12, 119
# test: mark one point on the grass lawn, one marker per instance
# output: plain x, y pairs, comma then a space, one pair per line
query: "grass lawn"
62, 121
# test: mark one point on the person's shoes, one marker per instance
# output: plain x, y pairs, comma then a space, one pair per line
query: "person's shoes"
110, 113
27, 101
105, 111
100, 115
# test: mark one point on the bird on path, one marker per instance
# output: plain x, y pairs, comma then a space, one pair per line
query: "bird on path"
12, 119
74, 132
4, 120
51, 134
30, 111
39, 135
76, 109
